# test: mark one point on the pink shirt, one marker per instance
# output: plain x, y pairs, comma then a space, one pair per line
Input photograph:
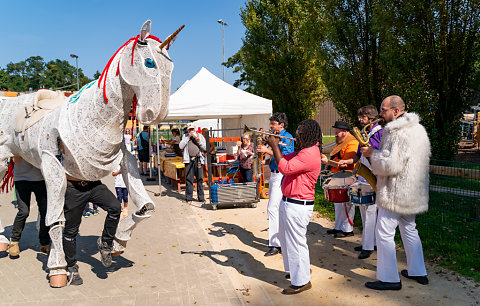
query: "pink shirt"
301, 172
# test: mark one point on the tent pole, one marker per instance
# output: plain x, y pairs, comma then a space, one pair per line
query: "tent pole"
160, 187
150, 151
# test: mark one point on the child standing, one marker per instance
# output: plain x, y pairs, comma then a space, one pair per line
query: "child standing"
121, 189
87, 212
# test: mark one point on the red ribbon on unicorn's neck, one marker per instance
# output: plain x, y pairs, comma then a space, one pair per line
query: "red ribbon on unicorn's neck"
107, 67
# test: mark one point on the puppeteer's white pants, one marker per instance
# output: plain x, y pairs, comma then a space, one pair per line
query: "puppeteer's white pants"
274, 198
387, 223
369, 219
341, 220
294, 219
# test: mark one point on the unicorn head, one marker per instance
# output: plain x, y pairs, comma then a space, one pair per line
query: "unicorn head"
145, 66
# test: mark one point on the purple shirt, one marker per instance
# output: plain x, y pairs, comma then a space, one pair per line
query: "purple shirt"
374, 141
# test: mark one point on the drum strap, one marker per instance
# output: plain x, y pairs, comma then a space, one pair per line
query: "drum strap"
346, 212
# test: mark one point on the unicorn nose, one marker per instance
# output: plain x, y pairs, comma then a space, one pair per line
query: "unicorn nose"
149, 115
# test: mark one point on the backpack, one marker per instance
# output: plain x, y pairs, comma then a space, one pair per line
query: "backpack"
143, 142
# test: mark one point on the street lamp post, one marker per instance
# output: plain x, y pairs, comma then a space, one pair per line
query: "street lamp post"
220, 21
76, 60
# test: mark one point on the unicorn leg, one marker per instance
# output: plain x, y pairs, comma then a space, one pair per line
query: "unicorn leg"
134, 183
138, 195
56, 183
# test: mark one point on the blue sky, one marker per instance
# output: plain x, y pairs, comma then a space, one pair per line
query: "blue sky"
94, 30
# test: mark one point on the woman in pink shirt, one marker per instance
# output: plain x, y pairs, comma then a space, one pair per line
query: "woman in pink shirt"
301, 170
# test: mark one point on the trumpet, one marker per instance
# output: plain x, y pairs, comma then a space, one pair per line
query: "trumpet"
247, 129
362, 136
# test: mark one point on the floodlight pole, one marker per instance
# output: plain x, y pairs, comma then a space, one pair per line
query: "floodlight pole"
220, 21
76, 60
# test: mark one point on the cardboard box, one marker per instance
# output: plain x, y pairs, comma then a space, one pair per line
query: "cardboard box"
174, 169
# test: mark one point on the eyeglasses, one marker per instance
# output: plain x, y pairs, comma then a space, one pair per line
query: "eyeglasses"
382, 110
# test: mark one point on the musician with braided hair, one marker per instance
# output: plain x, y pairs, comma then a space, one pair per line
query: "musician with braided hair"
301, 170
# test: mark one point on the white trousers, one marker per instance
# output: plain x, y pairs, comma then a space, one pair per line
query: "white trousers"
369, 219
341, 220
294, 219
387, 223
274, 198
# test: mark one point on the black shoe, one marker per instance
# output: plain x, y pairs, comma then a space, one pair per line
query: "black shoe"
73, 277
297, 289
333, 231
342, 234
105, 252
364, 254
358, 248
379, 285
273, 251
420, 279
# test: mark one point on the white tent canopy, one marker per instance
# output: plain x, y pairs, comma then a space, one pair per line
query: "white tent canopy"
207, 97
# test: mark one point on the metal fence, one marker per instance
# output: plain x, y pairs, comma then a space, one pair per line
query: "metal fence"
452, 223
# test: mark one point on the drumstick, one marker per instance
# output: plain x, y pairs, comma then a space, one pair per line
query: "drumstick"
334, 163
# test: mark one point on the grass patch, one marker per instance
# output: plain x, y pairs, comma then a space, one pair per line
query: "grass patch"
328, 139
327, 209
454, 182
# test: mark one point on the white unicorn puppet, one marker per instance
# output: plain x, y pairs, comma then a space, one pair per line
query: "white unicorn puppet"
82, 136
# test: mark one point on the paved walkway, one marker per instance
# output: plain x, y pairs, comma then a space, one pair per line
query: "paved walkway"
192, 255
151, 271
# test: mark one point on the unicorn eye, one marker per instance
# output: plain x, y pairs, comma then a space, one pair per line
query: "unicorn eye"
149, 63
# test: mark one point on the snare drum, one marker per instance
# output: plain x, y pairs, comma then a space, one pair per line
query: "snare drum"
336, 189
362, 194
336, 194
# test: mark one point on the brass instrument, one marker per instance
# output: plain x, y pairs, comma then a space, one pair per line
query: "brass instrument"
362, 136
366, 173
247, 129
361, 169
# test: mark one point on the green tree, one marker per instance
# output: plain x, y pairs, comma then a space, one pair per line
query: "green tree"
17, 76
60, 73
434, 46
96, 75
424, 51
34, 73
274, 61
344, 37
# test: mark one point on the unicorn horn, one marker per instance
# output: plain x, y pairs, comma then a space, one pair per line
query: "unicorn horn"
171, 38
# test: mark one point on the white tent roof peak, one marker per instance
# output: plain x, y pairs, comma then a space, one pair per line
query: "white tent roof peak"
205, 97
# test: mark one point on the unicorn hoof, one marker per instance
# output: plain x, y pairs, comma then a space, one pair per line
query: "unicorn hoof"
58, 281
3, 246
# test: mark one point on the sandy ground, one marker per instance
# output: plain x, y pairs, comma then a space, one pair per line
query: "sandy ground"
240, 237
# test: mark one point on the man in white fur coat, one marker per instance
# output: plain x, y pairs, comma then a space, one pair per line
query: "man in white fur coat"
401, 165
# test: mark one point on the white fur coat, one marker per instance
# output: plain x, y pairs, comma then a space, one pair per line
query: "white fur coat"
402, 166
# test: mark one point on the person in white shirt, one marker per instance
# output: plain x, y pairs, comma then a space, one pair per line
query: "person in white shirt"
193, 145
121, 190
128, 140
28, 180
